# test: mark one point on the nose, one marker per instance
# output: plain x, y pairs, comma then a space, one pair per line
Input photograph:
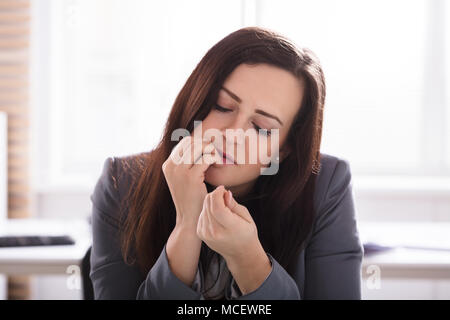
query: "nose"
237, 130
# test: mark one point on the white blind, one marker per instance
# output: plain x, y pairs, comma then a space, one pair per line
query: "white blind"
118, 65
374, 54
447, 81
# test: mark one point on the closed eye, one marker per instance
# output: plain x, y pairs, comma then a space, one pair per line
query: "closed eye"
221, 109
265, 132
262, 131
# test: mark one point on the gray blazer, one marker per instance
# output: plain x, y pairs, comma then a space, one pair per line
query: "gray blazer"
328, 268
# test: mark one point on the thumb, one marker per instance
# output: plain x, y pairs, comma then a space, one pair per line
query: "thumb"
237, 208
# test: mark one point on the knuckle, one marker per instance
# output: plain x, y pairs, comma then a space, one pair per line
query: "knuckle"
174, 158
208, 147
187, 140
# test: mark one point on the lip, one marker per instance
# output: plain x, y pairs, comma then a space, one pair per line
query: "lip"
223, 154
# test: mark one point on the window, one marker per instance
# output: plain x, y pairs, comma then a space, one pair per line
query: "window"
383, 66
117, 66
447, 81
116, 69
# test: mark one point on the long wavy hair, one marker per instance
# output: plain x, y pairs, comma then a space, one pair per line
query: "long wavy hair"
281, 204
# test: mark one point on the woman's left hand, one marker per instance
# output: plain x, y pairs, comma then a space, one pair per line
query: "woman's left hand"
227, 227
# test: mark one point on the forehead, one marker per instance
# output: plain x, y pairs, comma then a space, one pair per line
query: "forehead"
266, 87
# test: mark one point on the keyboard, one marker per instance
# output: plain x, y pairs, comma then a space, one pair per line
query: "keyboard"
28, 241
370, 247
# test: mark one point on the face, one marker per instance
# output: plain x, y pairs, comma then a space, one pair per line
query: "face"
253, 97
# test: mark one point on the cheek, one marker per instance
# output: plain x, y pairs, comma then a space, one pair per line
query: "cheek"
206, 123
212, 121
273, 144
263, 150
256, 152
213, 117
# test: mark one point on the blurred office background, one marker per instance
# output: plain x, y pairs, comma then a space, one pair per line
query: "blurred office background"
82, 80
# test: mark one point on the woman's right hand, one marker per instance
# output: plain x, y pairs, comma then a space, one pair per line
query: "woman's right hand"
185, 174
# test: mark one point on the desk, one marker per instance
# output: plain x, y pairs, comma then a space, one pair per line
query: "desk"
406, 260
396, 263
44, 259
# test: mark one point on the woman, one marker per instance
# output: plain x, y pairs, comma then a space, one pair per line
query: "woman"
170, 229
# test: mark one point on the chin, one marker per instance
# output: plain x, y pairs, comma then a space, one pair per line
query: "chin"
214, 177
221, 176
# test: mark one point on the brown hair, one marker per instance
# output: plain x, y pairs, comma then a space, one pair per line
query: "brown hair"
283, 207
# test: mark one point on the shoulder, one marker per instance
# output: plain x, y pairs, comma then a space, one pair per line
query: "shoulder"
335, 231
128, 169
333, 180
116, 179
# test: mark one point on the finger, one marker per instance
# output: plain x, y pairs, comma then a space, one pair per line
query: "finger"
203, 163
197, 135
239, 209
228, 196
193, 147
178, 151
212, 215
202, 148
182, 144
216, 227
218, 209
209, 227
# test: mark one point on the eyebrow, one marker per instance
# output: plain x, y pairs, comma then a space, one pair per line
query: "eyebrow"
262, 112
